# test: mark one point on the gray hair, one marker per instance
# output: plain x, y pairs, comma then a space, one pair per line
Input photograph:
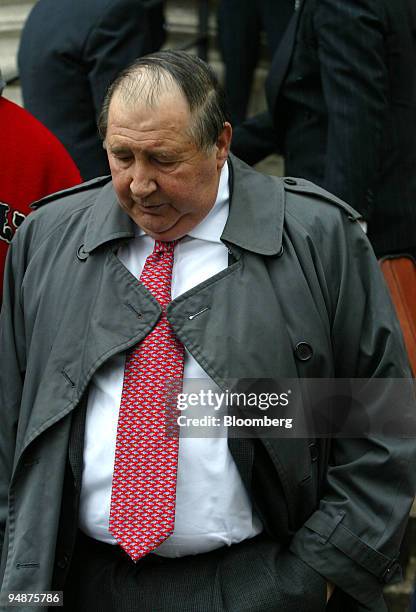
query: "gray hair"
149, 76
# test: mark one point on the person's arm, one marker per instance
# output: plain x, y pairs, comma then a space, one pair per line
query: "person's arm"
57, 170
255, 139
354, 76
13, 365
122, 35
353, 539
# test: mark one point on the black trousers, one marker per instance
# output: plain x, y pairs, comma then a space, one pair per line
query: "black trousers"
103, 578
240, 23
233, 579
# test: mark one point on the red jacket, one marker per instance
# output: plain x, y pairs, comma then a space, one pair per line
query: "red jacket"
33, 164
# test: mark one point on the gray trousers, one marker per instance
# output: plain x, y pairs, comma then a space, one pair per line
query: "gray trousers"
236, 579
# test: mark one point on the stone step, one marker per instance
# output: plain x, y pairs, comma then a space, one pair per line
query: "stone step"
12, 18
13, 93
398, 596
408, 548
14, 2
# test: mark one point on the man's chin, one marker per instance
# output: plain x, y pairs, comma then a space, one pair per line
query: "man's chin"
166, 236
160, 228
163, 231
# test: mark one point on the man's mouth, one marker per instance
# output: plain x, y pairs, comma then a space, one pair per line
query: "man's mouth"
149, 207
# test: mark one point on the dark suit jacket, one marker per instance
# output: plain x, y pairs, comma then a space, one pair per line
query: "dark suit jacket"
70, 51
342, 94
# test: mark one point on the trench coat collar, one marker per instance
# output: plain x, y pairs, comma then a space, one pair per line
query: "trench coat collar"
255, 221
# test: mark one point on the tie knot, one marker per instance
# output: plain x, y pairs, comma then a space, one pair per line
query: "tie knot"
164, 247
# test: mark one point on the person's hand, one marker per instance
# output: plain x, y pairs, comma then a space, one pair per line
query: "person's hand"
364, 225
329, 590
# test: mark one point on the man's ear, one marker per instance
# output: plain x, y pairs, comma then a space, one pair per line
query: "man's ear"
223, 144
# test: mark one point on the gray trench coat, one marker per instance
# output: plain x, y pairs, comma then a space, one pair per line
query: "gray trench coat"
301, 271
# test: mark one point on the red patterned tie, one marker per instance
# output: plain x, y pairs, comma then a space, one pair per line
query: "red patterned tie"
142, 513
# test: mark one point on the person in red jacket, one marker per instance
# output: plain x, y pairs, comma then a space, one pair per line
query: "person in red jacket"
33, 164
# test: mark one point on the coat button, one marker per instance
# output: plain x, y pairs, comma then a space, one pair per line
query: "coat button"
62, 563
81, 254
313, 449
290, 181
393, 572
303, 351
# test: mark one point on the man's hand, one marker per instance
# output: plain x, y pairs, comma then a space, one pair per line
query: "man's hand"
329, 590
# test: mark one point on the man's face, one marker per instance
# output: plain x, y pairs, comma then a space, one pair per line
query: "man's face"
163, 181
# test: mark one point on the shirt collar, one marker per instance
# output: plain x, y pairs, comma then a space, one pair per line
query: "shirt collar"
212, 226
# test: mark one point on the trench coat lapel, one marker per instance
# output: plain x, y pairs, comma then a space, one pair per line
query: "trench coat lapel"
120, 316
113, 312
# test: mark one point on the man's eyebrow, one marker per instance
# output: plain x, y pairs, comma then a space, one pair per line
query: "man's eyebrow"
164, 154
156, 150
118, 148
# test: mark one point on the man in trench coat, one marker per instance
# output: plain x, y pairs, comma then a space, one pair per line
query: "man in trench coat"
300, 297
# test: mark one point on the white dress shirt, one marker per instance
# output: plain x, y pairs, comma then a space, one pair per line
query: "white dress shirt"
212, 505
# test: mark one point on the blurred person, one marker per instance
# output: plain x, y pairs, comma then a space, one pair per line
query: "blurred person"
70, 51
187, 264
342, 97
240, 25
33, 164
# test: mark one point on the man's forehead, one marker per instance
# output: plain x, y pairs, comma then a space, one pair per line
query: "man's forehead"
168, 98
168, 121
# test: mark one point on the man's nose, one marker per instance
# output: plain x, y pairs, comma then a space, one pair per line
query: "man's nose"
143, 182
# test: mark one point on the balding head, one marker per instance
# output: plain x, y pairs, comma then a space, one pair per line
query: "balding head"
169, 72
167, 141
